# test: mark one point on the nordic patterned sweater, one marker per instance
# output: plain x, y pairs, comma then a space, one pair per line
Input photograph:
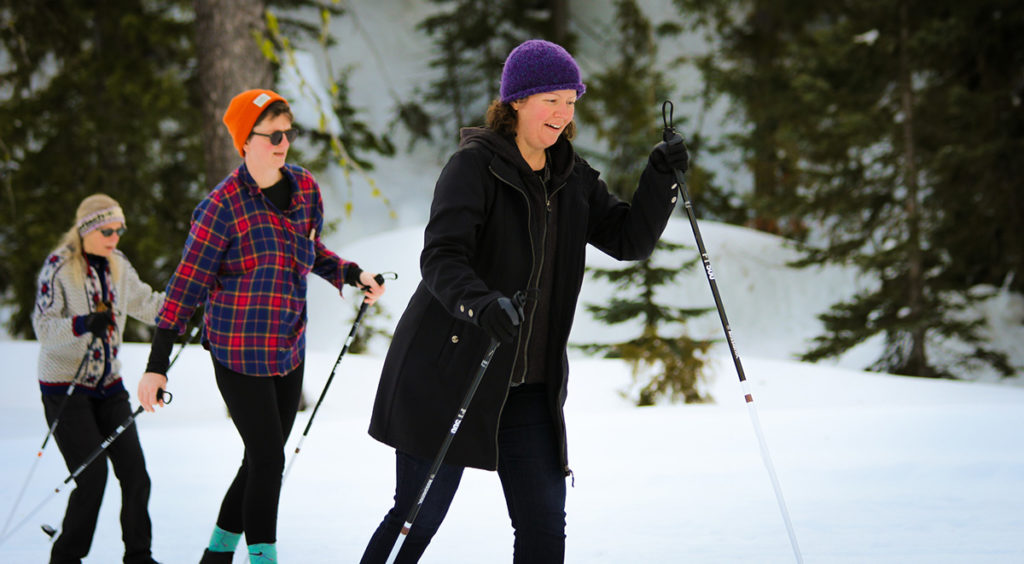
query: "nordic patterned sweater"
59, 314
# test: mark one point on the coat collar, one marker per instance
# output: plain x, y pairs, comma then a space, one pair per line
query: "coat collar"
561, 155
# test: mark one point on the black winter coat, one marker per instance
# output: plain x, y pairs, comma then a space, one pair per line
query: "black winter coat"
484, 239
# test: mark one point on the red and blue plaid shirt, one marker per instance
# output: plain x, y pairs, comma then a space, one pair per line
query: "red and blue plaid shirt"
248, 261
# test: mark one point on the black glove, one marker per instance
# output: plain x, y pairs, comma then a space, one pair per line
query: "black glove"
98, 322
669, 156
501, 319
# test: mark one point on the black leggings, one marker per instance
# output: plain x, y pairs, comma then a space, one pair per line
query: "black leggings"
250, 504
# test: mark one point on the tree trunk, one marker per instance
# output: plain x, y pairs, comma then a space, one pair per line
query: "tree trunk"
916, 363
559, 21
764, 44
230, 61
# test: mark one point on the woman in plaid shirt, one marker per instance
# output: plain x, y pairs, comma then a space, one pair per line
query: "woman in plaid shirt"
252, 242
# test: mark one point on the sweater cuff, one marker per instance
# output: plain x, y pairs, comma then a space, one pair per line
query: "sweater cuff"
160, 352
78, 326
352, 272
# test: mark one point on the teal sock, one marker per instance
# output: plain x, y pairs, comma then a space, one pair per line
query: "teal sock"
263, 553
223, 541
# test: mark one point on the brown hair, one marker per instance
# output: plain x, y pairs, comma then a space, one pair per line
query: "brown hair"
275, 109
503, 119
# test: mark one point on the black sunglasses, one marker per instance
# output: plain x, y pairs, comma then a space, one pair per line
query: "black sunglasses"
277, 136
108, 231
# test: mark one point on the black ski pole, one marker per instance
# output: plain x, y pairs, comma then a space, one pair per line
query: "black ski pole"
103, 446
71, 390
191, 338
52, 531
670, 136
443, 450
49, 432
520, 298
348, 341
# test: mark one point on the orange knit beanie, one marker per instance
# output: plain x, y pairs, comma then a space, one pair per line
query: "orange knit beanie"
243, 111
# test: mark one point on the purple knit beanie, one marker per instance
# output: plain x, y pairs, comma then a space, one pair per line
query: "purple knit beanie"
539, 66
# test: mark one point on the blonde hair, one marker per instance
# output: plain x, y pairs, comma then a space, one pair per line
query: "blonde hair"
71, 241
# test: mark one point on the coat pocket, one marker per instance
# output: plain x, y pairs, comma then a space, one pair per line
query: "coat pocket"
452, 338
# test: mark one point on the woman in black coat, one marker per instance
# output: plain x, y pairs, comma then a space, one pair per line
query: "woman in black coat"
513, 210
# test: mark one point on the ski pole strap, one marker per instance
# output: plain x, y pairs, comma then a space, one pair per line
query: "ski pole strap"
669, 134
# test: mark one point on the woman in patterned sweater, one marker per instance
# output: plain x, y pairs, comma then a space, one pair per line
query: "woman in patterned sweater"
86, 289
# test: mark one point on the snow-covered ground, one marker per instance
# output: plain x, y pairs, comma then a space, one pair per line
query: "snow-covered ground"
874, 468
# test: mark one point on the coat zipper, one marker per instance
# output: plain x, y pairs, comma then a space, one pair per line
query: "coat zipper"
515, 359
529, 215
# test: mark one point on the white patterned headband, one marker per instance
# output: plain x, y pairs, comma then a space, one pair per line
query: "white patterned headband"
93, 221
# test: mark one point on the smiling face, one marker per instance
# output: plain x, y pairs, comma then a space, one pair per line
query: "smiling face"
541, 118
260, 154
96, 243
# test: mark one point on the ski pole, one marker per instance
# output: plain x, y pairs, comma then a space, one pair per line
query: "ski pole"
191, 338
52, 531
71, 390
670, 136
103, 446
348, 341
443, 450
49, 432
60, 411
520, 299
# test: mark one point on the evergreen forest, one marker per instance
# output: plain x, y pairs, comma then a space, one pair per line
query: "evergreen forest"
884, 135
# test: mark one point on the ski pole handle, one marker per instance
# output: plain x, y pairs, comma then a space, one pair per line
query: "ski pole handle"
380, 278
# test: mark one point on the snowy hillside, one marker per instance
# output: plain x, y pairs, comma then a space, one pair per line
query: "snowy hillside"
874, 468
772, 308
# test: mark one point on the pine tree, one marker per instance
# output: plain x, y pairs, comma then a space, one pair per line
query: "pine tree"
371, 327
623, 104
972, 129
472, 39
95, 100
623, 101
879, 141
664, 362
750, 69
110, 99
877, 188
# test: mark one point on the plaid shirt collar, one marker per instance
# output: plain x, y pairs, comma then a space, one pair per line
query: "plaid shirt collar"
245, 179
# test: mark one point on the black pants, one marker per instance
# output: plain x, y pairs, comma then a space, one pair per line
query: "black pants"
263, 410
85, 422
530, 470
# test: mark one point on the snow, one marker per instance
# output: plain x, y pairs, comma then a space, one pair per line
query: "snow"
873, 467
